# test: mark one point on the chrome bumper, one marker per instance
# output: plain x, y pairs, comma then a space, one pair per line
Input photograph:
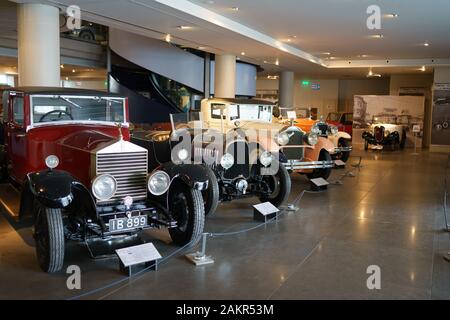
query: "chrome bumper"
339, 150
295, 165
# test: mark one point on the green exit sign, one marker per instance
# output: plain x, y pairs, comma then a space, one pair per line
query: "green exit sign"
306, 83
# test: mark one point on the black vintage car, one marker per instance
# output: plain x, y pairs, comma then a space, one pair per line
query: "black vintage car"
236, 168
384, 131
69, 165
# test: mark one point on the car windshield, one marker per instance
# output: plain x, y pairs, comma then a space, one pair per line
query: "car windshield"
50, 109
250, 112
334, 117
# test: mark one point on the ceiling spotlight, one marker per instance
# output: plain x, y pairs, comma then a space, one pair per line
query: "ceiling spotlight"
363, 56
426, 44
201, 48
243, 53
235, 8
265, 62
289, 40
423, 69
326, 53
371, 74
73, 71
184, 27
277, 63
62, 66
67, 78
391, 15
168, 38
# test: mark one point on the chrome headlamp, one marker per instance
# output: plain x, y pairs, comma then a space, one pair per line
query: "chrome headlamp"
158, 183
266, 159
315, 129
183, 154
52, 161
227, 161
104, 187
313, 139
282, 138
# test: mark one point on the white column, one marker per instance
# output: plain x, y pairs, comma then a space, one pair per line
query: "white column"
225, 76
38, 45
286, 90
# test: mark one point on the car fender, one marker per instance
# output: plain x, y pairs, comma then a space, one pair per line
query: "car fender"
52, 188
343, 135
194, 176
313, 154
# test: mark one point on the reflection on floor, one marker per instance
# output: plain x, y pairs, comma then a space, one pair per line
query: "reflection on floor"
389, 215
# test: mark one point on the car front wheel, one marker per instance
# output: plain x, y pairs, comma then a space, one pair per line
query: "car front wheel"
49, 238
343, 156
187, 208
280, 184
323, 172
211, 196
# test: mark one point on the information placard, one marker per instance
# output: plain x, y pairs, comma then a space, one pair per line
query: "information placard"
138, 254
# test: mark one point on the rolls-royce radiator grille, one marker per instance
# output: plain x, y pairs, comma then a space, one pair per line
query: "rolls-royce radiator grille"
129, 169
292, 153
241, 153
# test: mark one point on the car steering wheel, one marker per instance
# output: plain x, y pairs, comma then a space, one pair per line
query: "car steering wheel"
60, 113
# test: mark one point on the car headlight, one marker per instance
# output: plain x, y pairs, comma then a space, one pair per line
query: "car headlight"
104, 187
227, 161
334, 130
52, 161
158, 183
313, 139
266, 159
282, 138
183, 154
315, 129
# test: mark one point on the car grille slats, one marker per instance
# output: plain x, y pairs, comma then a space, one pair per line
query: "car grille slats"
241, 153
130, 171
296, 139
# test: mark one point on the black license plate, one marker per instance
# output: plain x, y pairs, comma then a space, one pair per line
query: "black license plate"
124, 224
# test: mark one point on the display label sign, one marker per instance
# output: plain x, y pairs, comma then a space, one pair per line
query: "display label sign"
340, 163
292, 115
320, 182
315, 86
138, 254
266, 208
416, 128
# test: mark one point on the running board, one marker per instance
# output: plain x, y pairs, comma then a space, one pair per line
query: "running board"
10, 200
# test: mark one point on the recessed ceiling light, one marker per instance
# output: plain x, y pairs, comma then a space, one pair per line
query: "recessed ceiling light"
423, 69
73, 71
243, 53
168, 38
67, 78
277, 63
201, 48
426, 44
332, 58
391, 15
265, 61
289, 40
235, 8
184, 27
363, 56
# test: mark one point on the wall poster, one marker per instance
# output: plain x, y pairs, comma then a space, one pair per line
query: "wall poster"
401, 110
440, 131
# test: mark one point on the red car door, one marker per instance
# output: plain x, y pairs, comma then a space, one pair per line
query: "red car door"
16, 139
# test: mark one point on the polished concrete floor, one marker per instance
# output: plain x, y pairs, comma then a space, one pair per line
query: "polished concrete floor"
389, 215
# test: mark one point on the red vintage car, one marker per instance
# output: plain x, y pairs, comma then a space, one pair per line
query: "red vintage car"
343, 120
68, 163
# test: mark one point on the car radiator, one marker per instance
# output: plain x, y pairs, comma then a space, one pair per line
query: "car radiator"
129, 169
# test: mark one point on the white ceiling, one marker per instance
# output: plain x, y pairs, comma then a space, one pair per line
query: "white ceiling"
261, 29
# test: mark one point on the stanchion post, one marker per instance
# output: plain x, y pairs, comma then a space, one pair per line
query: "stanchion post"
200, 258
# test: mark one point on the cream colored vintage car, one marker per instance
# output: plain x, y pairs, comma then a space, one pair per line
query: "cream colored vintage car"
300, 152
